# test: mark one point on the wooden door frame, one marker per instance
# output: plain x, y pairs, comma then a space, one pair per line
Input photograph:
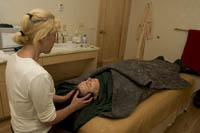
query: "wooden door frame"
100, 26
124, 28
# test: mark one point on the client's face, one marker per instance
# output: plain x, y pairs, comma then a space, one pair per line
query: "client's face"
91, 85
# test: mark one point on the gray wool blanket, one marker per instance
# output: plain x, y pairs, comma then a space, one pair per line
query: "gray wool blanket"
134, 81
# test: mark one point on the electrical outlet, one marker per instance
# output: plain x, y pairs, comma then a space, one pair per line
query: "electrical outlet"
92, 28
81, 25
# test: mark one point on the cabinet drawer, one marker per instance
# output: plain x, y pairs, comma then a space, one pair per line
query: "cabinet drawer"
49, 60
4, 99
2, 72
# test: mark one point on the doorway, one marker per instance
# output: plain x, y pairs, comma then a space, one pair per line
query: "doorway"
112, 30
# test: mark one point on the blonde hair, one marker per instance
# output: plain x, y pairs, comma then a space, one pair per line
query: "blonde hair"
36, 25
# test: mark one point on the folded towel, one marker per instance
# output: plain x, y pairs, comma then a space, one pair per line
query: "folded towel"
191, 54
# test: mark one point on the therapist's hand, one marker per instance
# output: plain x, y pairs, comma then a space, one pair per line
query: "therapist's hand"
68, 95
57, 98
78, 103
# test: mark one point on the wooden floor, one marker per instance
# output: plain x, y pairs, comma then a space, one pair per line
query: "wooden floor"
188, 122
5, 126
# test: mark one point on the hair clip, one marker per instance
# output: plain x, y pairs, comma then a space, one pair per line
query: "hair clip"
30, 15
30, 18
33, 22
22, 33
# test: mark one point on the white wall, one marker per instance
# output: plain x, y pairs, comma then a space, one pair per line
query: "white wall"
167, 15
74, 12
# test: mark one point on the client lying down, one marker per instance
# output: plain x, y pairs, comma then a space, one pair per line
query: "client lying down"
91, 85
118, 88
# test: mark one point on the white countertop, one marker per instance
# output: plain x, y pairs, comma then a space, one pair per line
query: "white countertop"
58, 49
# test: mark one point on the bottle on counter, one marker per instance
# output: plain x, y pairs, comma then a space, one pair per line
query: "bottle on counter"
59, 36
64, 34
77, 37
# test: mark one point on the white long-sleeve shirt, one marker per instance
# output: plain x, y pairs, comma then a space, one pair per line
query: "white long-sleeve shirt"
30, 93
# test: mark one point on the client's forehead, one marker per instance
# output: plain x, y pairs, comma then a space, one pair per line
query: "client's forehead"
82, 84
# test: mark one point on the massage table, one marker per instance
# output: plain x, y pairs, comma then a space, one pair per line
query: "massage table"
153, 115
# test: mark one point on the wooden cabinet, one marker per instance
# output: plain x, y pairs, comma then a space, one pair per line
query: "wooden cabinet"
1, 107
2, 72
4, 100
4, 106
61, 67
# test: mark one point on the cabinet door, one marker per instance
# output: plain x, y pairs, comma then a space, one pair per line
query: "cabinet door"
4, 99
1, 107
2, 72
2, 88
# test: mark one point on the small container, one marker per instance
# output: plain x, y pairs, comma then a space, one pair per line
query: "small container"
76, 38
